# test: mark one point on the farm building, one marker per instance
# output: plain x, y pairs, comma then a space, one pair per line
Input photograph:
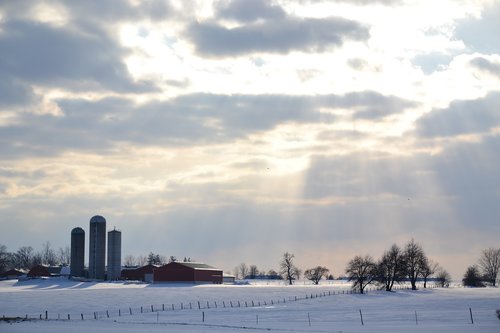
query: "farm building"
228, 278
43, 270
12, 274
187, 272
144, 273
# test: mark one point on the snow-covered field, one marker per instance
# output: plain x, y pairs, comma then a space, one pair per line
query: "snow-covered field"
234, 308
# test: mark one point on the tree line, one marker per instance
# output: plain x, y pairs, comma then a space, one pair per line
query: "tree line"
26, 257
486, 271
397, 265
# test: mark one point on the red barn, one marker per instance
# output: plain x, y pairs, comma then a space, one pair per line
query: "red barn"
187, 272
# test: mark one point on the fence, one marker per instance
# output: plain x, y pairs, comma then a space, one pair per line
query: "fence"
198, 305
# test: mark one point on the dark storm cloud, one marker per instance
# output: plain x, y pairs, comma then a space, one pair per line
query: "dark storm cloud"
462, 117
84, 60
279, 36
481, 34
486, 65
248, 11
188, 119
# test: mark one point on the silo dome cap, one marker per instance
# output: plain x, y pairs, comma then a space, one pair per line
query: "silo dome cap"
97, 219
77, 230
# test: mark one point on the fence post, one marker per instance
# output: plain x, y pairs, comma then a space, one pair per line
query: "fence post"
69, 317
471, 318
46, 315
309, 319
130, 309
107, 313
95, 316
82, 316
141, 308
203, 317
173, 308
199, 307
361, 316
152, 308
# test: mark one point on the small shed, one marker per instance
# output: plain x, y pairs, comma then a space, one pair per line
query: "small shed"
187, 272
228, 278
144, 273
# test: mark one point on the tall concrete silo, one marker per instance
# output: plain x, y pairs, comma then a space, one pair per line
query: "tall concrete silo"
114, 254
77, 252
97, 247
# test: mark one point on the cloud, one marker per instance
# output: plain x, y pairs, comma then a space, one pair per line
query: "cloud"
432, 62
486, 65
77, 60
14, 93
461, 117
280, 36
356, 2
248, 11
184, 120
481, 34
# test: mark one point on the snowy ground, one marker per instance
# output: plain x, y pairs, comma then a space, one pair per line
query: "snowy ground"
260, 307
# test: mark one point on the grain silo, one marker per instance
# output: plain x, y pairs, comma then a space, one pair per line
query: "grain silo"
114, 254
77, 252
97, 247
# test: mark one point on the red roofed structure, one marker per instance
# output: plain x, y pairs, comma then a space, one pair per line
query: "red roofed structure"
187, 272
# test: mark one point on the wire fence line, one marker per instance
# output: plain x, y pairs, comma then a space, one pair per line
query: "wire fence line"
182, 306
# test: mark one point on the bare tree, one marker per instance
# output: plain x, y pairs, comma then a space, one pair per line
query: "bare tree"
391, 267
415, 262
172, 259
23, 258
253, 271
129, 260
243, 270
489, 263
236, 272
287, 268
4, 258
361, 271
443, 277
428, 269
48, 255
64, 256
141, 260
316, 274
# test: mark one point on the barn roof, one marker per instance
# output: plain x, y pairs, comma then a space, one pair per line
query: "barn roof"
192, 265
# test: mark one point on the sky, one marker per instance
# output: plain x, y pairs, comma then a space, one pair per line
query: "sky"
233, 131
